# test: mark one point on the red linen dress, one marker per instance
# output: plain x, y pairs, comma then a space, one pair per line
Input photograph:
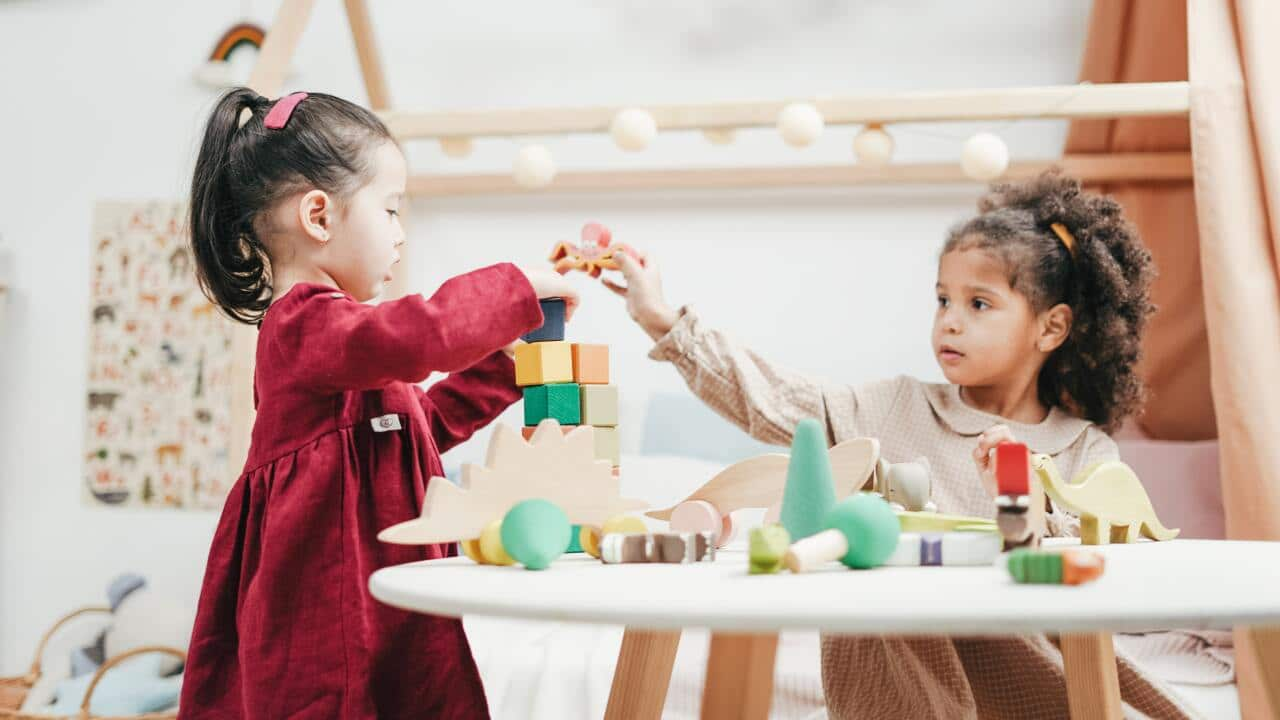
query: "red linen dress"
286, 626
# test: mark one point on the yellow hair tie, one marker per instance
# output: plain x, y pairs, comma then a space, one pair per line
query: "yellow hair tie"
1066, 237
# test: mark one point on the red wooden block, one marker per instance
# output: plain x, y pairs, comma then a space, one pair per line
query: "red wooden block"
1013, 469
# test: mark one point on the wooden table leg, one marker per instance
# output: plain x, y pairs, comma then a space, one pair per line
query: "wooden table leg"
739, 680
1266, 646
1093, 688
643, 674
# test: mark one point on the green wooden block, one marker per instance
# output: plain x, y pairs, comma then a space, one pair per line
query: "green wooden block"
768, 546
561, 403
1029, 566
575, 545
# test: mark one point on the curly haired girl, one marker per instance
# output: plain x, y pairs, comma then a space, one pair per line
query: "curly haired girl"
1042, 300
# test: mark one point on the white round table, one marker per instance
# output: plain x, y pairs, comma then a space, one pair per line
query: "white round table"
1199, 584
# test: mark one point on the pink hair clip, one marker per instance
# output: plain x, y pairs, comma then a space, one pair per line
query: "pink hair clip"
282, 111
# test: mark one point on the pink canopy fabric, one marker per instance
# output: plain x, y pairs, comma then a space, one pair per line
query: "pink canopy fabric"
1213, 351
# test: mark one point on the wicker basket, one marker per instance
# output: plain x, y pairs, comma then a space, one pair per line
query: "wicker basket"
13, 690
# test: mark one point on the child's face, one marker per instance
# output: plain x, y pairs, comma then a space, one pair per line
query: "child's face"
984, 331
367, 233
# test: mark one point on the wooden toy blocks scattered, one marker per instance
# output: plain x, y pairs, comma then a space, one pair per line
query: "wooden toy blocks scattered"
667, 547
1019, 500
1043, 567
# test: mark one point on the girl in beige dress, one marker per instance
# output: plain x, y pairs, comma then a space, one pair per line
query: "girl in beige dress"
1042, 299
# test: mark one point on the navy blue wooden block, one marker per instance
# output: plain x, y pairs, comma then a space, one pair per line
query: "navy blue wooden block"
552, 329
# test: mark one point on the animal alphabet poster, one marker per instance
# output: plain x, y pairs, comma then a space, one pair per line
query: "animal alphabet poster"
158, 398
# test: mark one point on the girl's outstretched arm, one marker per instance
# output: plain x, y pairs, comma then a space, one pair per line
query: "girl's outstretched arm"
765, 400
342, 345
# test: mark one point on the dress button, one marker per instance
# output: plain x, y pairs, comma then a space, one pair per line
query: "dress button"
336, 295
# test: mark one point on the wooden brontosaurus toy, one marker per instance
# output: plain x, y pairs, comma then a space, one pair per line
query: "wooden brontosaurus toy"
758, 482
1108, 497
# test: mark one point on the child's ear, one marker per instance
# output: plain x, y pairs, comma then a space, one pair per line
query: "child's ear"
315, 212
1055, 327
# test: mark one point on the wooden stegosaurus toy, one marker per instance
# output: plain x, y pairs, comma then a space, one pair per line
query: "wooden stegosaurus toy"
552, 465
1108, 497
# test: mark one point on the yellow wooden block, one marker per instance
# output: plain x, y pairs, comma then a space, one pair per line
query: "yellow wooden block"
471, 548
589, 539
623, 524
543, 363
491, 545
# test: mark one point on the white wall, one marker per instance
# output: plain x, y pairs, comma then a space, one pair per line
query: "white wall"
98, 103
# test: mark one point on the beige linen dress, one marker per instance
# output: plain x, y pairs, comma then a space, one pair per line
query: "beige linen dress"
914, 677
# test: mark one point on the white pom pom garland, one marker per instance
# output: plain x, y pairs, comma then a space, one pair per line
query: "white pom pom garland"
633, 129
800, 124
984, 157
456, 147
873, 147
534, 167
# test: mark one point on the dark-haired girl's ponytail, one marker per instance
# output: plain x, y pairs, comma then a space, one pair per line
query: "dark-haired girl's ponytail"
231, 263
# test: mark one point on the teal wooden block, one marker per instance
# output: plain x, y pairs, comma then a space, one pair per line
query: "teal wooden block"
575, 545
561, 402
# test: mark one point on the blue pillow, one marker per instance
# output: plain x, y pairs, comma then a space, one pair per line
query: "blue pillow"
131, 688
680, 424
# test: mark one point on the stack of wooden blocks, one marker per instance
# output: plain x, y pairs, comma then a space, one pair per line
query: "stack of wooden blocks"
568, 382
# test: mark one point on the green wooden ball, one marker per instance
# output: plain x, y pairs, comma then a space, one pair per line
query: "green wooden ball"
870, 526
535, 533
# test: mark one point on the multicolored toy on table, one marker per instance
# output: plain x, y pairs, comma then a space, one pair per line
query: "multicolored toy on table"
1019, 502
569, 382
1044, 567
510, 509
596, 253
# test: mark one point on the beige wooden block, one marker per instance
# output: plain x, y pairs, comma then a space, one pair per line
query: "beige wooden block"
599, 405
607, 447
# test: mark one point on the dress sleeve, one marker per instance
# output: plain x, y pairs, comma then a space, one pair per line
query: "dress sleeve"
765, 400
341, 345
466, 401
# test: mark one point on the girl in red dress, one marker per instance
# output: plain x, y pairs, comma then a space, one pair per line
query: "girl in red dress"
294, 226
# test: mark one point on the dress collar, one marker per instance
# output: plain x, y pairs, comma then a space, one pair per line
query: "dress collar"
1052, 435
